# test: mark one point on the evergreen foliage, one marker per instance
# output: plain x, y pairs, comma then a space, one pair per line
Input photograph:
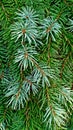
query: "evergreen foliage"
36, 65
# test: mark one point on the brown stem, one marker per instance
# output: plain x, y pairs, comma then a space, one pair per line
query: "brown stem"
63, 65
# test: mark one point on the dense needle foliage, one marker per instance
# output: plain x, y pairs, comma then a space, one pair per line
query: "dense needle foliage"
36, 64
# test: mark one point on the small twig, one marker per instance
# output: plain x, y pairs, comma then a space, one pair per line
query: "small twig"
63, 65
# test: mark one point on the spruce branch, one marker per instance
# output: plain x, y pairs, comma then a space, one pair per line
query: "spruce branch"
36, 79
